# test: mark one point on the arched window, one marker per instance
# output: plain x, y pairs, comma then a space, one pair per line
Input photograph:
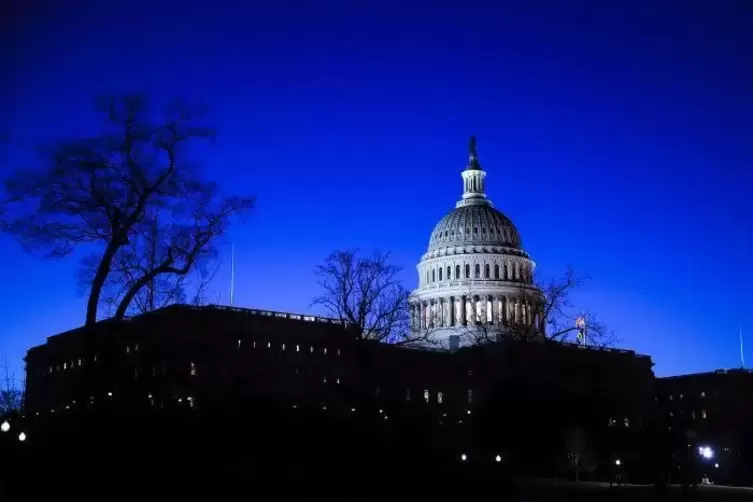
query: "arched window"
440, 273
496, 271
467, 271
477, 271
433, 275
427, 276
486, 271
457, 271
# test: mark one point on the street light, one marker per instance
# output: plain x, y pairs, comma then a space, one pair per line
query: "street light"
463, 457
22, 437
618, 462
498, 458
5, 427
716, 465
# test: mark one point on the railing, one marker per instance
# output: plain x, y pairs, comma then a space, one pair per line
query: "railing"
272, 313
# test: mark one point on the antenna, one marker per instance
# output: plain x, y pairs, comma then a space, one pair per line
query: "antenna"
232, 274
742, 354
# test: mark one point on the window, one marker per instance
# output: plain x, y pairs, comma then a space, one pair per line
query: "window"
269, 345
80, 361
496, 271
193, 368
457, 271
338, 352
311, 349
283, 346
297, 348
325, 351
477, 271
692, 414
682, 396
611, 422
128, 349
433, 275
670, 397
440, 273
449, 272
486, 271
703, 394
65, 366
324, 380
440, 398
253, 345
671, 415
470, 395
703, 414
407, 393
467, 271
136, 347
426, 395
627, 422
239, 344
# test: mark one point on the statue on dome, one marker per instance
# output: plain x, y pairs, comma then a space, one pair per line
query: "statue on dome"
472, 147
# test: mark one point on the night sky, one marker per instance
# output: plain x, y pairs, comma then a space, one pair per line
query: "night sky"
618, 136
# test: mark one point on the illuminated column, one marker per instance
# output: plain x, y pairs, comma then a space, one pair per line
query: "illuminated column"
463, 315
495, 309
451, 313
482, 314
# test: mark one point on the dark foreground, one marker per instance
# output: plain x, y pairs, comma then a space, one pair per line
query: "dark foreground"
93, 457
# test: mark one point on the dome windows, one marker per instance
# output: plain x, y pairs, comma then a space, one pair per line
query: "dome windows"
457, 271
449, 272
467, 271
486, 271
477, 272
496, 271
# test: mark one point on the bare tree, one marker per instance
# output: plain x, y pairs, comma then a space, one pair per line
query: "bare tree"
364, 291
543, 312
103, 190
11, 395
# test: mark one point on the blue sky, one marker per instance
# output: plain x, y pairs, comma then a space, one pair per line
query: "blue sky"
616, 135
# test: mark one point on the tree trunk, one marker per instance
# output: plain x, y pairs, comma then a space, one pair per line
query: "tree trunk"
131, 293
103, 270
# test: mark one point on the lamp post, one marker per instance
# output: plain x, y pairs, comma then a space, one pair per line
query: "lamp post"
580, 323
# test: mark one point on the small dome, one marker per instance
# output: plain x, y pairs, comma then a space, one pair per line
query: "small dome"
475, 224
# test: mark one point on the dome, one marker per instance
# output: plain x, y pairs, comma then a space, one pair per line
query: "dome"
475, 224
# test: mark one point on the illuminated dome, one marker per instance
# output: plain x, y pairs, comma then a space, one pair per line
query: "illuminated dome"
476, 224
475, 270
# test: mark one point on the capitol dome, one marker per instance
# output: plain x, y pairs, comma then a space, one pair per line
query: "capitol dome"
477, 224
475, 273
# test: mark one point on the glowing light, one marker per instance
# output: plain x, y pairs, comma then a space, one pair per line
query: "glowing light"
618, 462
716, 465
5, 427
468, 411
22, 437
706, 452
498, 458
109, 394
463, 457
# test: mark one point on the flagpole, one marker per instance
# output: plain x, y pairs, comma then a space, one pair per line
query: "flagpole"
742, 354
232, 275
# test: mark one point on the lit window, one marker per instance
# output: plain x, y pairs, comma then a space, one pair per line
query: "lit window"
470, 395
128, 349
193, 368
703, 394
253, 345
337, 381
312, 349
80, 362
65, 365
440, 398
297, 348
136, 347
426, 395
239, 344
682, 396
627, 422
611, 421
269, 345
338, 352
50, 369
670, 397
692, 414
135, 373
703, 414
283, 346
325, 351
324, 380
671, 414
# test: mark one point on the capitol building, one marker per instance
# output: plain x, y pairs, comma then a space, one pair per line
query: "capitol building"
475, 281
